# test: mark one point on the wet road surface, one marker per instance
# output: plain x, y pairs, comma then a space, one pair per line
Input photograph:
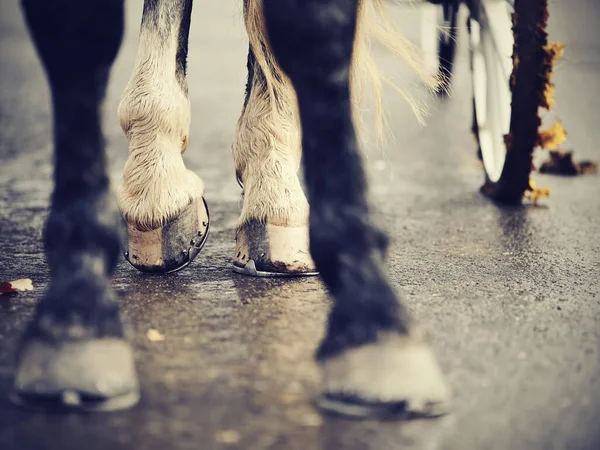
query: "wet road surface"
508, 296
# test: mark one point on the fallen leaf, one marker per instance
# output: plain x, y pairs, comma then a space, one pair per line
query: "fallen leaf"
561, 163
227, 437
154, 335
12, 287
535, 193
554, 51
552, 137
307, 419
289, 398
6, 288
549, 95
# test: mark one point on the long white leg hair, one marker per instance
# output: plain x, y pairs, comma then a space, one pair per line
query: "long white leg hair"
373, 26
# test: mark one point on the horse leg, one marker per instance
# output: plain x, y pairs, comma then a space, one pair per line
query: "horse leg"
161, 201
74, 353
373, 360
272, 231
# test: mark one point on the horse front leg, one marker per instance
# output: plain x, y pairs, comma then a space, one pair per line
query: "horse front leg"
160, 199
74, 353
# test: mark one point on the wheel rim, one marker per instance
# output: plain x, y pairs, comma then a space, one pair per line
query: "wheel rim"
491, 61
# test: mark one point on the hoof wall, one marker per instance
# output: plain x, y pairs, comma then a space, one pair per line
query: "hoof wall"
171, 247
395, 377
267, 250
95, 375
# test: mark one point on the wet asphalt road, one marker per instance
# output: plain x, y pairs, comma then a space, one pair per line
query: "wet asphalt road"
509, 296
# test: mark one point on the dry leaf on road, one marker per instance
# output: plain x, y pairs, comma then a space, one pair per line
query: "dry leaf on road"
551, 138
561, 163
227, 437
154, 335
13, 287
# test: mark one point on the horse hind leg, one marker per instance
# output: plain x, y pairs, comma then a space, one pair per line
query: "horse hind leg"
272, 231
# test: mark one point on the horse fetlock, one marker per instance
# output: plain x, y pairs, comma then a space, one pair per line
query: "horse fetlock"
272, 233
155, 115
147, 114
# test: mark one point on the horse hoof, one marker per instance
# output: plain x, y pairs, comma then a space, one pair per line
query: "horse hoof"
266, 250
89, 375
171, 247
395, 377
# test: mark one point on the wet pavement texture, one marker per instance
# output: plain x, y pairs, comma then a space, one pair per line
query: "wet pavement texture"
509, 296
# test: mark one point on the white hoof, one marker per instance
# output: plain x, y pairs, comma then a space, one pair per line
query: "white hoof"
395, 376
266, 250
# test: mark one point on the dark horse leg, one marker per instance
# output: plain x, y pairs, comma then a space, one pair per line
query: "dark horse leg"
373, 360
74, 354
